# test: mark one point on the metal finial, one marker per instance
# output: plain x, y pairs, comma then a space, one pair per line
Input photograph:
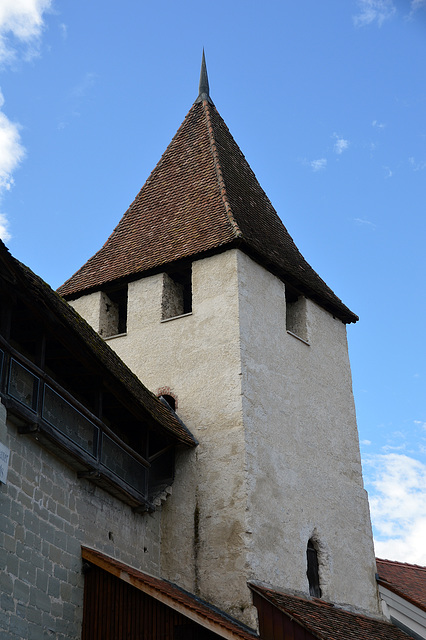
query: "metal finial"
203, 90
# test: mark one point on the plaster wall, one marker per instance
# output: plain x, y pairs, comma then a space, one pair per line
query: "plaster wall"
303, 462
196, 357
46, 514
278, 460
90, 308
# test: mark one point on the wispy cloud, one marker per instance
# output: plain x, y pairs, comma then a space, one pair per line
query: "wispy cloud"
21, 26
378, 125
416, 165
318, 165
374, 11
420, 423
388, 172
397, 485
365, 223
64, 30
416, 5
11, 154
340, 145
76, 97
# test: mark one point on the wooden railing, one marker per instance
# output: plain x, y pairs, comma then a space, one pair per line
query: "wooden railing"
47, 411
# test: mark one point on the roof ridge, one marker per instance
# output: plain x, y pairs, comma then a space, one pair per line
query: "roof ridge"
218, 169
128, 211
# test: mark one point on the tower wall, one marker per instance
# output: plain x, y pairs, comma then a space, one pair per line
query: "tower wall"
278, 461
197, 358
303, 461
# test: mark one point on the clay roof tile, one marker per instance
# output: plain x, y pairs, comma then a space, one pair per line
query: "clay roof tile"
202, 197
327, 622
406, 580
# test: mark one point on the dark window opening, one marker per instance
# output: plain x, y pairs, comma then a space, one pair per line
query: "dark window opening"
170, 401
113, 312
296, 321
177, 293
313, 570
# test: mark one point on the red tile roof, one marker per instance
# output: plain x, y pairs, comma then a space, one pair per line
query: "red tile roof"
406, 580
202, 197
327, 622
173, 596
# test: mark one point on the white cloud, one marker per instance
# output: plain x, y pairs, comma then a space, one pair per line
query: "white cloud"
4, 225
397, 485
366, 442
374, 11
21, 24
378, 125
11, 154
11, 149
340, 145
318, 165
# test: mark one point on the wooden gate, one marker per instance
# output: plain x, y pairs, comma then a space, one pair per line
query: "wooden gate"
115, 610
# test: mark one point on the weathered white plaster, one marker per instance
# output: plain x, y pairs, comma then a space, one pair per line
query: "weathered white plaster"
90, 308
278, 460
303, 463
198, 357
108, 316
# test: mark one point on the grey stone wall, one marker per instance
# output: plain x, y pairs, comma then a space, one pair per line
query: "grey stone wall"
46, 515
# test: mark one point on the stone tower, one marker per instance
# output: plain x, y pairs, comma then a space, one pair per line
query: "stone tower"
202, 292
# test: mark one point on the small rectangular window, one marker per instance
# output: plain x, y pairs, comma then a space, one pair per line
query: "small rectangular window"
296, 321
113, 312
177, 293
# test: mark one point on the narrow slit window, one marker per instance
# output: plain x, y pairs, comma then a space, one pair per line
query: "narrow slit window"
313, 570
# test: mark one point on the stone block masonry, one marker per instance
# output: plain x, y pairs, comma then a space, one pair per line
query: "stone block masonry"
46, 514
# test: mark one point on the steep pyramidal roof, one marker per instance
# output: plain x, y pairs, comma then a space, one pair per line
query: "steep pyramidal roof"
201, 198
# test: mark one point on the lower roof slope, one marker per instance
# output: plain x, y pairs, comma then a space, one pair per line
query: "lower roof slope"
324, 621
406, 580
68, 322
202, 197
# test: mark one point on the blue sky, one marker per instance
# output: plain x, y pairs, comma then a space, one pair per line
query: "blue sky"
327, 100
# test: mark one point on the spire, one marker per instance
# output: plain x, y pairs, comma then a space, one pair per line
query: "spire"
203, 89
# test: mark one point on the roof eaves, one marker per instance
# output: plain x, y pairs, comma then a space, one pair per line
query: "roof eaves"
401, 593
172, 595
